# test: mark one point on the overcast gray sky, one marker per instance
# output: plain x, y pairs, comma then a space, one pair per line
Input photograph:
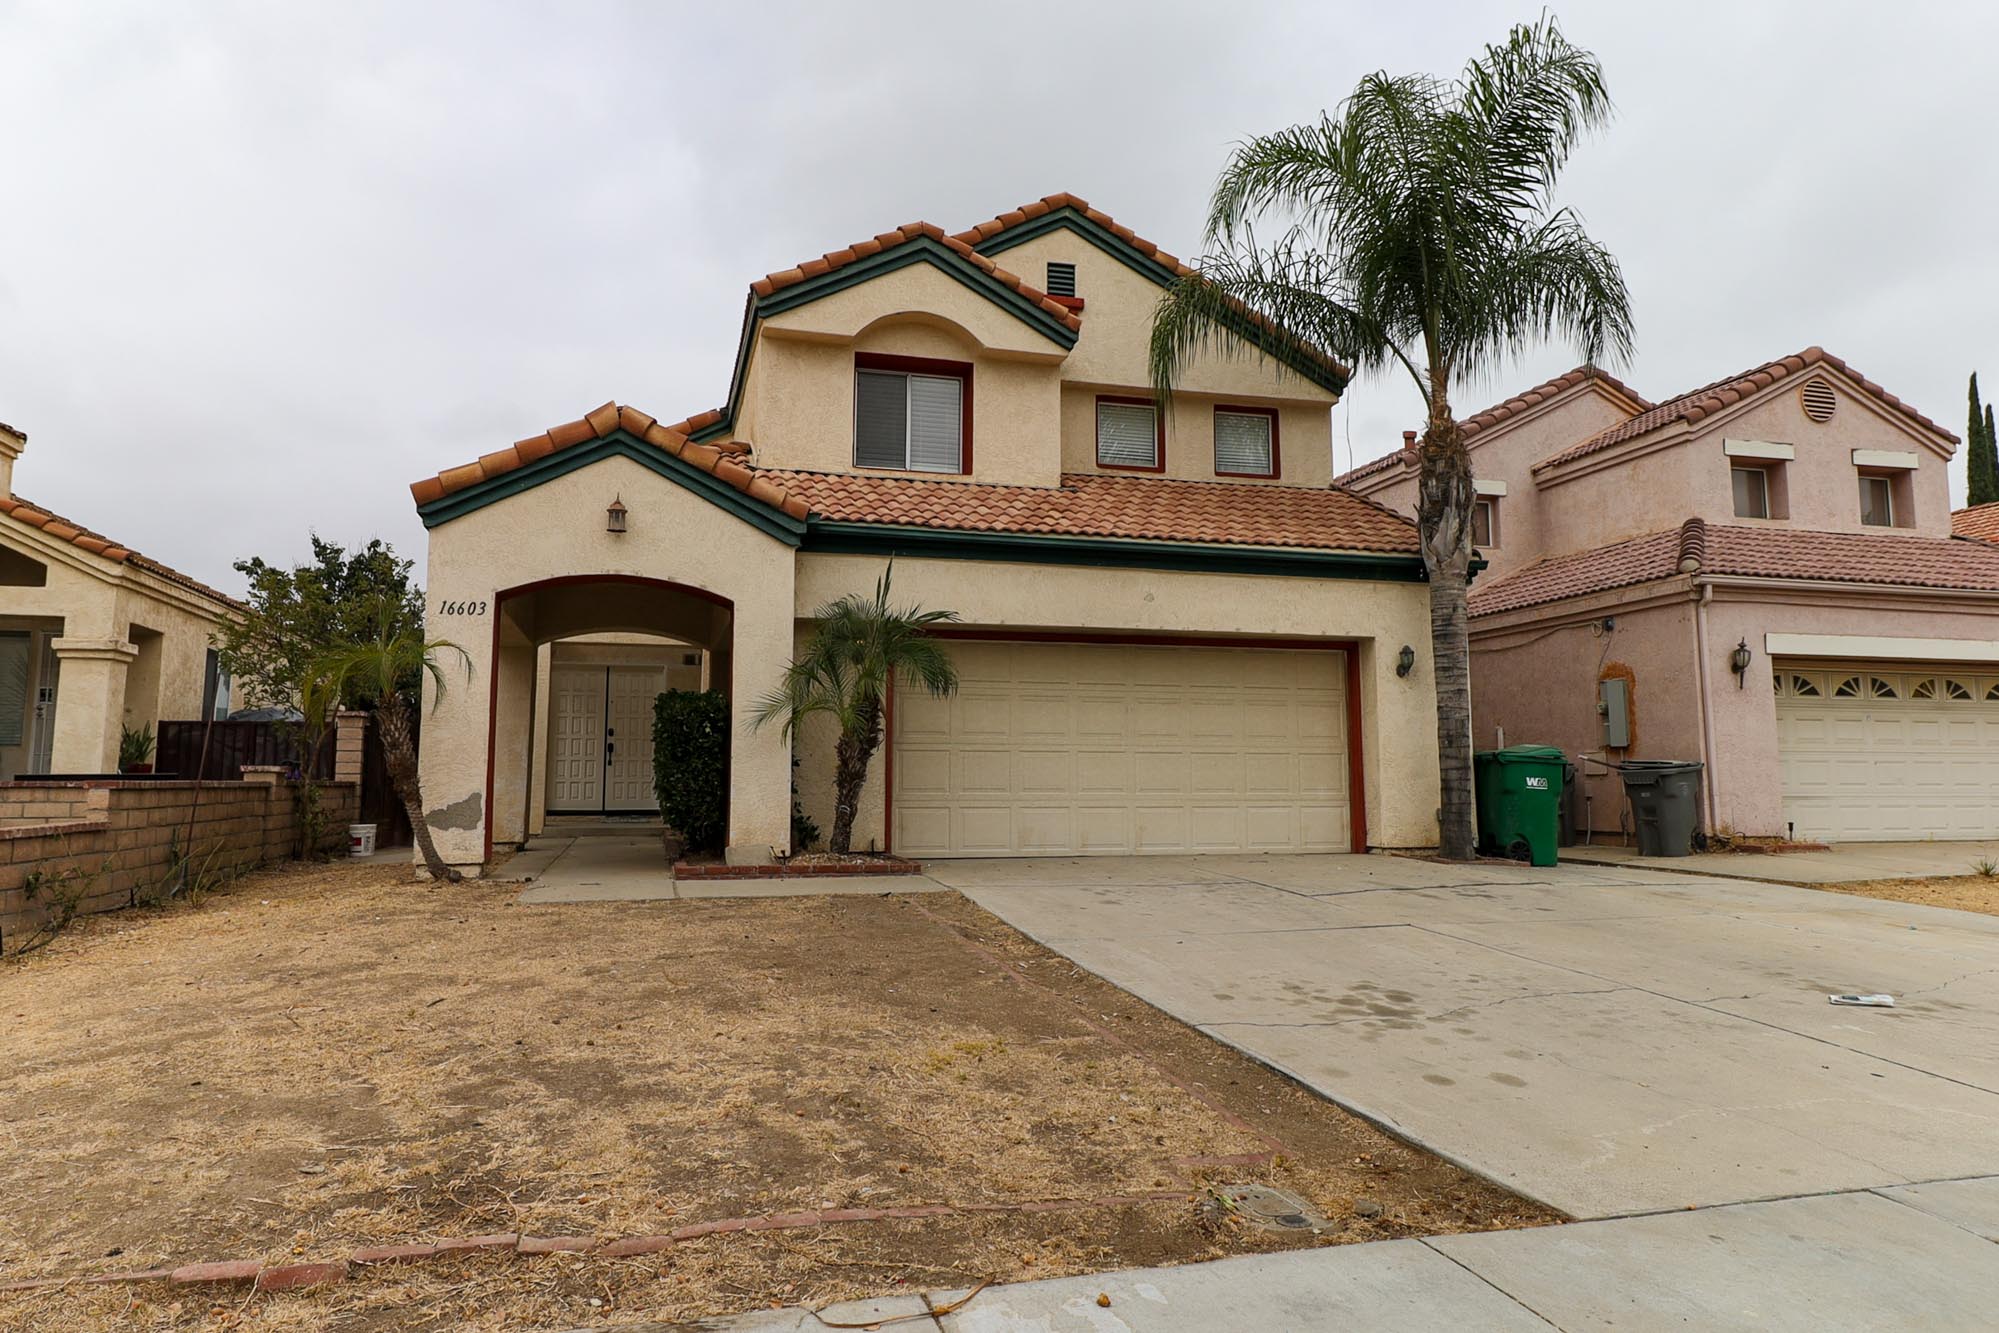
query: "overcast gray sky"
262, 265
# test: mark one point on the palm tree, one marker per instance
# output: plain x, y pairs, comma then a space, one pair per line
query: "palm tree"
860, 645
382, 670
1417, 230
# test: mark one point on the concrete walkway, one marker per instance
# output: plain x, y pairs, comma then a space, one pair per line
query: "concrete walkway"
1607, 1041
1916, 1258
1844, 861
621, 867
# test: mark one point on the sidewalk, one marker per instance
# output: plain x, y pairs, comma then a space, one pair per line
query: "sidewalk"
1916, 1257
1843, 861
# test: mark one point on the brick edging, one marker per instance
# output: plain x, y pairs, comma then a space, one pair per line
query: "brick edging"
684, 870
317, 1273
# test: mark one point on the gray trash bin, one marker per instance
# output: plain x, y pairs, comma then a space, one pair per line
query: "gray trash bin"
1665, 803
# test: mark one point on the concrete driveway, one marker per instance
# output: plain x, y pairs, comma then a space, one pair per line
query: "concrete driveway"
1606, 1040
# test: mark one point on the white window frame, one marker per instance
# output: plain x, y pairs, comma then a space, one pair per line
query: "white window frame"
1154, 434
1887, 485
1762, 475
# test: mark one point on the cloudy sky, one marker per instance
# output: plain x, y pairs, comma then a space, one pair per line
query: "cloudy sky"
262, 265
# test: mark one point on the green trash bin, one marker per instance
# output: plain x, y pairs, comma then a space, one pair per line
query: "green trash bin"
1665, 803
1519, 793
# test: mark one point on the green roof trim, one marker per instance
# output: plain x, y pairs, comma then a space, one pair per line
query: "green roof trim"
618, 444
841, 538
1104, 239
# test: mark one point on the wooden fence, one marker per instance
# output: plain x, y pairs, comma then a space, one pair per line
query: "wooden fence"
230, 746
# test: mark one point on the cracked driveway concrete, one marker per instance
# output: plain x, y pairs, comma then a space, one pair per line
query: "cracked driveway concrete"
1605, 1040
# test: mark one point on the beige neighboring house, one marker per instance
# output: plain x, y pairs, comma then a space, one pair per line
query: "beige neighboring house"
1176, 634
1760, 574
94, 637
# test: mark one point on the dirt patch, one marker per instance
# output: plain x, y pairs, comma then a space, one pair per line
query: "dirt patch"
323, 1059
1966, 893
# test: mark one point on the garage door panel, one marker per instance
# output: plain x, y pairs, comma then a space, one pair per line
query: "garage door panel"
1909, 762
1067, 748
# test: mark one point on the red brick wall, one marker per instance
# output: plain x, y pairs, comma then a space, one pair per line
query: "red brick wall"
125, 835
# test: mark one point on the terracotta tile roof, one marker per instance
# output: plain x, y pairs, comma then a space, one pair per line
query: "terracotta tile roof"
1500, 412
1711, 398
902, 235
1882, 558
1979, 521
721, 460
54, 525
1091, 505
1047, 204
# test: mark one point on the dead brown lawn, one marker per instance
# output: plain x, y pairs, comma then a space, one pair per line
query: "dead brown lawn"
327, 1058
1966, 893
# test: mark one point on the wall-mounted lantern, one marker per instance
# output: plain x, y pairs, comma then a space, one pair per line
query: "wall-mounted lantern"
1405, 661
614, 517
1738, 662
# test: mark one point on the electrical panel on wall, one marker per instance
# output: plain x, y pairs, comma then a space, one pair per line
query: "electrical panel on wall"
1613, 704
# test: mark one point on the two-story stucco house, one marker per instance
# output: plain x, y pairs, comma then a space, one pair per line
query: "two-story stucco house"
1759, 574
1176, 635
94, 638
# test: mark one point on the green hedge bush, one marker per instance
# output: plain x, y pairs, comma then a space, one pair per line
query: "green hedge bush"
690, 764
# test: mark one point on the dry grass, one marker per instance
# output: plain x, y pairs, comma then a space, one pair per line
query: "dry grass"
1966, 893
327, 1058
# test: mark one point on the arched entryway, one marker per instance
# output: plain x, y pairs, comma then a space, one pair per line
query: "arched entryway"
548, 637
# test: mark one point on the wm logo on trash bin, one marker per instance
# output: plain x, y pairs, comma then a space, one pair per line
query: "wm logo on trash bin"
1537, 784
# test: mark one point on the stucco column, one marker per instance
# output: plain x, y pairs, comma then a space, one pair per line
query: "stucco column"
544, 662
90, 705
513, 737
451, 756
759, 759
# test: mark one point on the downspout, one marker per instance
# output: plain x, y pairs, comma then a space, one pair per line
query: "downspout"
1693, 553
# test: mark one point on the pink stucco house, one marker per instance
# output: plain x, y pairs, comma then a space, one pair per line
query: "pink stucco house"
1760, 574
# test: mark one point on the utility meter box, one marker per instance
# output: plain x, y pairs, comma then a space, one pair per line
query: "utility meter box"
1613, 705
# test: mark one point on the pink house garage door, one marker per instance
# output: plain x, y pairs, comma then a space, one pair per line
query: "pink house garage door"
1888, 751
1113, 749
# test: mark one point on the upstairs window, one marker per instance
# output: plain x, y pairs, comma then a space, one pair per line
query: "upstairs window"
1752, 492
1245, 442
1061, 278
912, 414
1129, 435
1485, 523
1877, 502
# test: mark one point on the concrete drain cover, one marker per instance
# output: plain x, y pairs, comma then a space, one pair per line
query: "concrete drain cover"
1274, 1209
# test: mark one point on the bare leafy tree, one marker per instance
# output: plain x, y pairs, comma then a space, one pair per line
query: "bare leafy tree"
380, 671
860, 644
1415, 230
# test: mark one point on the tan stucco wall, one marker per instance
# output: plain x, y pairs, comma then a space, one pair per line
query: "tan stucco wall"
95, 609
1398, 715
674, 536
799, 403
1304, 437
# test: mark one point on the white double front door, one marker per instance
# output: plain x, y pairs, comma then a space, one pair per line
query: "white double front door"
600, 738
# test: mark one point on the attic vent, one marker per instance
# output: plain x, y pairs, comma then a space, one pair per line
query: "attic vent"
1818, 399
1061, 278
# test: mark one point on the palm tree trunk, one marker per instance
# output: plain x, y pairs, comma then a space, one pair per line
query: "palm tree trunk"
1444, 514
853, 754
399, 753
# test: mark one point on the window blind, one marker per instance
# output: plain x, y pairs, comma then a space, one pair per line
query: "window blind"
881, 419
13, 687
936, 439
1127, 435
1242, 443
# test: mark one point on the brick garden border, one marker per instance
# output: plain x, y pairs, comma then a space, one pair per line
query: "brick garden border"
897, 866
318, 1273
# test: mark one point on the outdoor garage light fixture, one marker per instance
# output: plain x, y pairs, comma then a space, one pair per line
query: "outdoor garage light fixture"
614, 517
1405, 661
1738, 662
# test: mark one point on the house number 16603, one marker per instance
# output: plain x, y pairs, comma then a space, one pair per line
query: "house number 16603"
449, 608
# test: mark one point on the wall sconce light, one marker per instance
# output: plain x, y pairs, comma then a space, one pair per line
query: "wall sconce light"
614, 517
1405, 661
1738, 662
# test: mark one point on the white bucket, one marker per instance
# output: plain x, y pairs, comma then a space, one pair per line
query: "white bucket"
360, 839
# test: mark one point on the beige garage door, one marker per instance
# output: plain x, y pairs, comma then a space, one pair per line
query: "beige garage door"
1051, 749
1888, 751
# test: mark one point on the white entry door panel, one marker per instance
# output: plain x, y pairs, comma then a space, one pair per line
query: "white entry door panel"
1111, 749
1888, 751
600, 738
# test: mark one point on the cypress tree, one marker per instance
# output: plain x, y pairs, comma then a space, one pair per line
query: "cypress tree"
1981, 460
1988, 448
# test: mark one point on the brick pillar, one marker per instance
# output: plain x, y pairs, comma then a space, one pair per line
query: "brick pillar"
350, 741
279, 808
